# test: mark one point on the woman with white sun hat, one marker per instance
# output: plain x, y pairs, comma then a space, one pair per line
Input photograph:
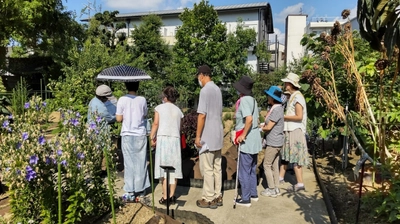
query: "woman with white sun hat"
295, 145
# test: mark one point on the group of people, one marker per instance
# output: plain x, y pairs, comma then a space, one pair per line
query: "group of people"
284, 131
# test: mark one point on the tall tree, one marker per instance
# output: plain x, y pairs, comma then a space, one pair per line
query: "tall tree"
148, 41
203, 39
40, 26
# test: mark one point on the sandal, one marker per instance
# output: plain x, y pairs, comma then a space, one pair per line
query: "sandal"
162, 201
172, 200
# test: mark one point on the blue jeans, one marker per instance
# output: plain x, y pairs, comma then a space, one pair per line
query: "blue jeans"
247, 175
134, 150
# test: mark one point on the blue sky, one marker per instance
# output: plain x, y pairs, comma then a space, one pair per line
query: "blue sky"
280, 8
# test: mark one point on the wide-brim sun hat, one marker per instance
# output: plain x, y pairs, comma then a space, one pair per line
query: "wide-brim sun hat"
273, 92
292, 78
244, 86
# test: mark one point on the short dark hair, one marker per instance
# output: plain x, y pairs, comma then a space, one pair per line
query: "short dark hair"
132, 86
171, 94
204, 69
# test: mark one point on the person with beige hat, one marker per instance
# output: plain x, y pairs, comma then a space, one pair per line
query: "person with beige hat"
295, 145
98, 104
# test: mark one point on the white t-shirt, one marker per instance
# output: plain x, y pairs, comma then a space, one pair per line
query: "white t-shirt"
134, 112
169, 120
295, 98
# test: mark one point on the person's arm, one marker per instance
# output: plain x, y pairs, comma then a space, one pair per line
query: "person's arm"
298, 114
201, 119
154, 128
120, 110
269, 126
247, 125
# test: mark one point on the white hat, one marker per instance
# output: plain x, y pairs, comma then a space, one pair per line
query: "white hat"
103, 90
292, 78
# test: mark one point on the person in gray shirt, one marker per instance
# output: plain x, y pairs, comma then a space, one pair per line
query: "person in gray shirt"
209, 139
273, 127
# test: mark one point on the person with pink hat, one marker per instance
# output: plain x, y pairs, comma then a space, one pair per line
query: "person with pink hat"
295, 145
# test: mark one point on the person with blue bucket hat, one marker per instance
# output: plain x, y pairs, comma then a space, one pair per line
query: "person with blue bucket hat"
273, 129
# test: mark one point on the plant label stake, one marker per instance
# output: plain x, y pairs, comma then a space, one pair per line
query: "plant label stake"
345, 140
168, 169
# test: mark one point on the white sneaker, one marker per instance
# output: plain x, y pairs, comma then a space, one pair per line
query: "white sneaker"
277, 191
254, 198
269, 193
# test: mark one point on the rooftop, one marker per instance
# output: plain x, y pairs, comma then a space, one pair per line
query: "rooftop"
179, 11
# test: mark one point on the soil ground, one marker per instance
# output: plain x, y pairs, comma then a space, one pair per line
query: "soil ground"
341, 184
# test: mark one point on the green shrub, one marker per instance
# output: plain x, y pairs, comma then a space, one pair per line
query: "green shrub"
228, 109
228, 116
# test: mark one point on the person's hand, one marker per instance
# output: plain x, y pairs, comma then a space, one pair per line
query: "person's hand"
241, 138
153, 143
197, 143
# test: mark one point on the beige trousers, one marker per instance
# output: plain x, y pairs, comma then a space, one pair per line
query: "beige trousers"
271, 166
210, 168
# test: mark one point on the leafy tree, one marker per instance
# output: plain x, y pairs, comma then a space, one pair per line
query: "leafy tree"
105, 26
200, 40
203, 39
40, 26
148, 41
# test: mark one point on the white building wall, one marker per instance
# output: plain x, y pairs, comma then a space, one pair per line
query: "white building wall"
295, 29
171, 23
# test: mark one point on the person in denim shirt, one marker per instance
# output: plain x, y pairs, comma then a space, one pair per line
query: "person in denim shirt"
97, 105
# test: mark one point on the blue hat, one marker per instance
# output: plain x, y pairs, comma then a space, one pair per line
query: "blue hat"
275, 92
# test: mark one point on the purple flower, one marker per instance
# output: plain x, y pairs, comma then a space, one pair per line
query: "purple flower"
33, 160
18, 146
80, 155
98, 119
59, 152
30, 174
42, 140
6, 123
74, 122
10, 116
44, 104
18, 172
78, 115
9, 129
78, 165
37, 107
27, 105
48, 161
64, 162
92, 125
25, 136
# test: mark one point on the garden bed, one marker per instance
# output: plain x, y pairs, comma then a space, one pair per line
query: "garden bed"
342, 188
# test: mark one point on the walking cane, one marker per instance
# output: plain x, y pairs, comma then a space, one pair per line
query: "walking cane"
237, 178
